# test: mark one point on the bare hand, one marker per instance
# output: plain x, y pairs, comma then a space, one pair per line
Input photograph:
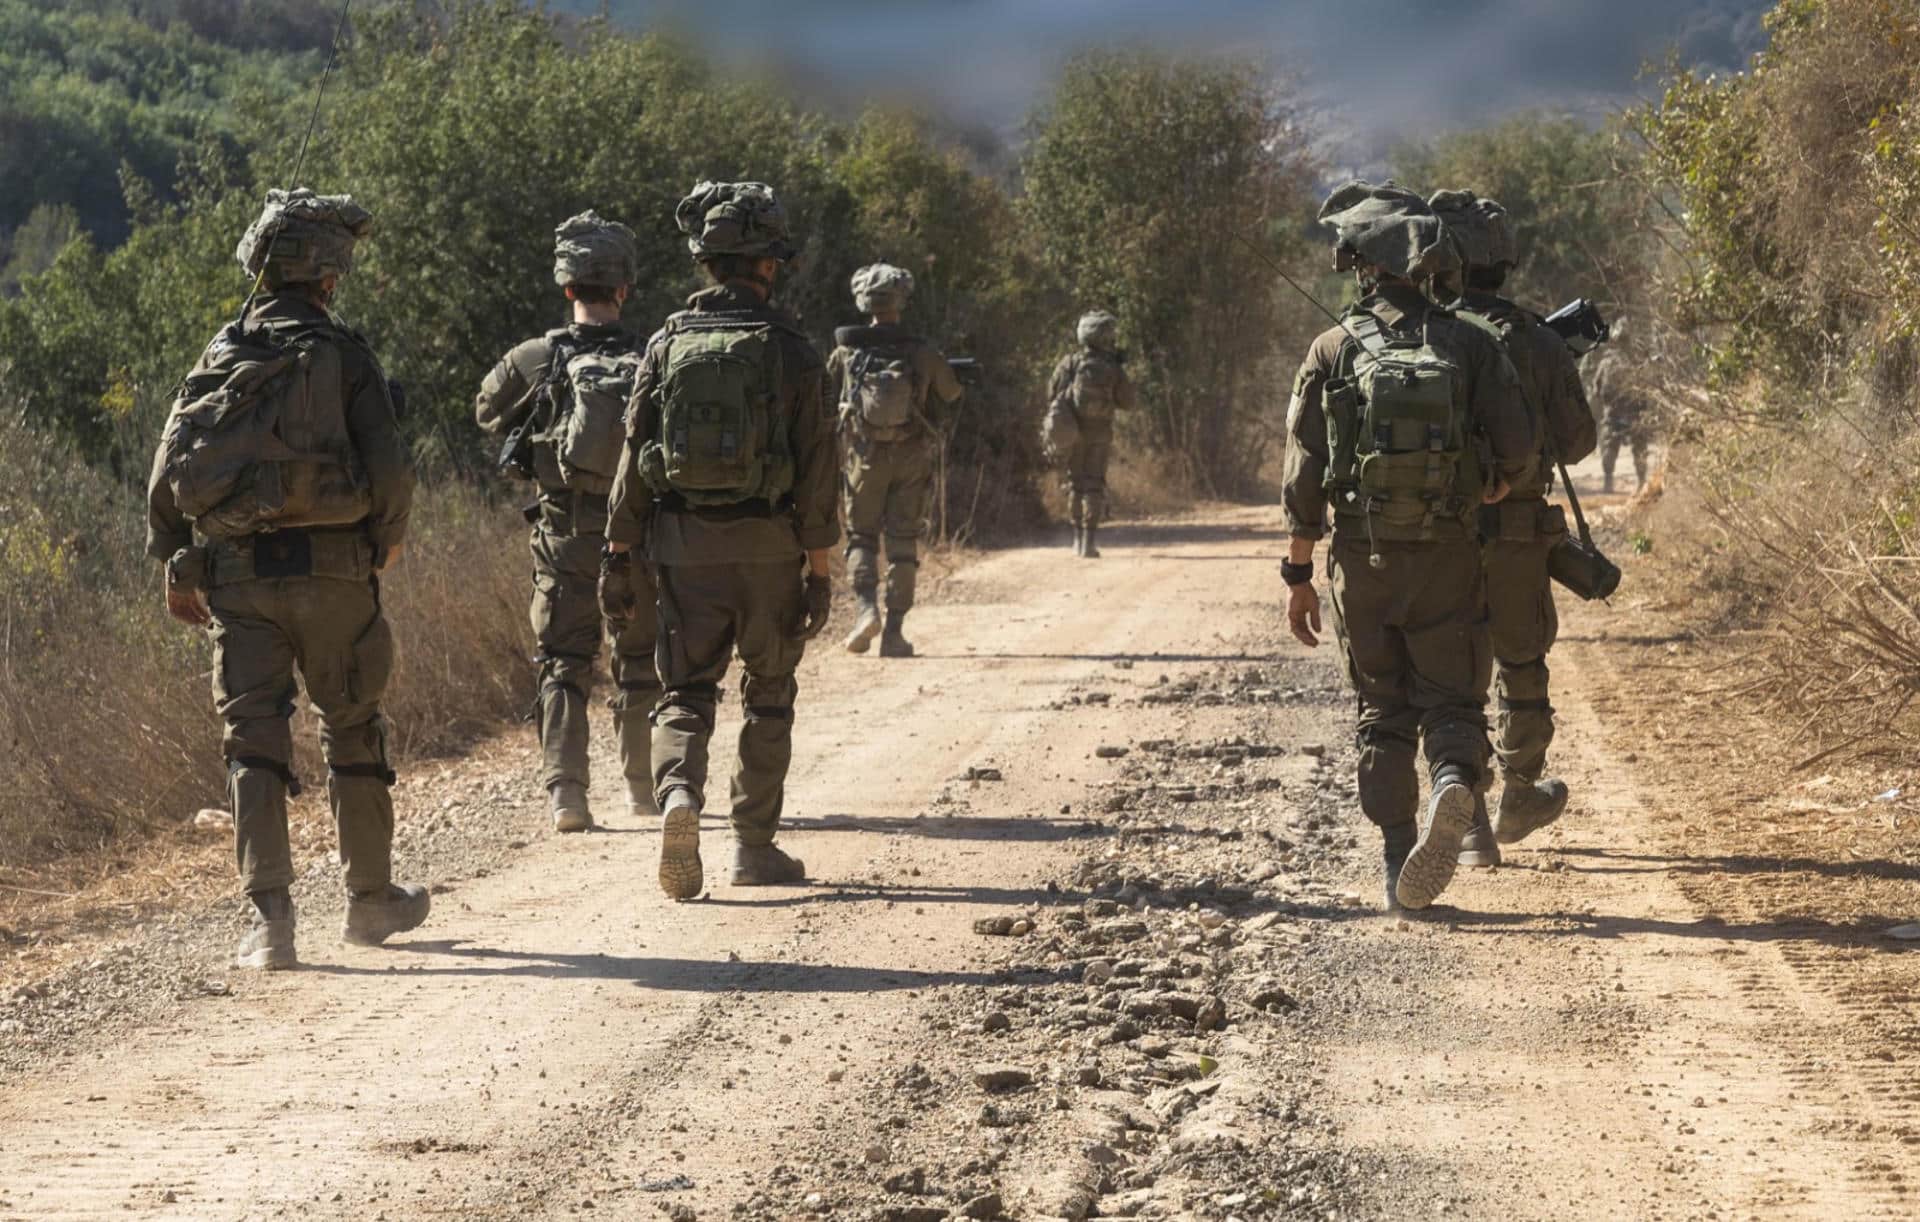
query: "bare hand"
1303, 613
1496, 494
189, 606
387, 561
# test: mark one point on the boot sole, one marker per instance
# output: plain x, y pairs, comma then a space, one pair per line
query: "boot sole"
378, 936
861, 639
681, 875
1430, 867
1514, 829
573, 823
268, 959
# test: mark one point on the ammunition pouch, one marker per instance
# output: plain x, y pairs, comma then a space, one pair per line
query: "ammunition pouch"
1522, 520
187, 569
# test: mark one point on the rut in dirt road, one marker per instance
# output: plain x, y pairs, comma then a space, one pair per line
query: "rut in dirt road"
1181, 1001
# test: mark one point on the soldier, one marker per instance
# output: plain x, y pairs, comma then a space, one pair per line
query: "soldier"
280, 491
1628, 412
1519, 532
1403, 421
1091, 385
727, 485
564, 396
881, 375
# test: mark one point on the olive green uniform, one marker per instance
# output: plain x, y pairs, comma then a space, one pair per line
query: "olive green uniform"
729, 580
888, 473
1628, 413
1414, 629
306, 599
1086, 461
1518, 533
569, 532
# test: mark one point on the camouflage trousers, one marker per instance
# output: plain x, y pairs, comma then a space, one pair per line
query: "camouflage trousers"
1415, 637
708, 612
1522, 625
323, 620
1087, 473
888, 489
569, 629
1631, 432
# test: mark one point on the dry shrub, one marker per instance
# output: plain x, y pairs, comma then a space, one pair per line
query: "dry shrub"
106, 710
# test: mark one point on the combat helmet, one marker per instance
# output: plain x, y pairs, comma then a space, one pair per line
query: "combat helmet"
1388, 227
589, 249
1481, 227
882, 286
734, 218
300, 237
1098, 330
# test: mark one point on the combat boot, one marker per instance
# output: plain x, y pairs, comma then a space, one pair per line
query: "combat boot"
1479, 850
1528, 806
681, 875
1397, 843
866, 622
1079, 540
1430, 866
569, 802
1087, 548
641, 803
374, 916
765, 865
268, 945
893, 644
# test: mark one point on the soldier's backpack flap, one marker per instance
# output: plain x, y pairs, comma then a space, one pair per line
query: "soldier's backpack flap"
1059, 429
589, 432
1414, 458
258, 438
1096, 386
881, 389
722, 438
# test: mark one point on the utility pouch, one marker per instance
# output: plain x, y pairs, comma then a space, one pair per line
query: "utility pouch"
1340, 404
1578, 565
283, 553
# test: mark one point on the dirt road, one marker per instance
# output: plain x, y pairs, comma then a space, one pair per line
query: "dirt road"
1207, 1017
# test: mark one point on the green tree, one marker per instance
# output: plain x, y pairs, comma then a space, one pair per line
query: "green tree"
1145, 177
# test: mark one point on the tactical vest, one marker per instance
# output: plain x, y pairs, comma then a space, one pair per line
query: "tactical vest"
1404, 462
1095, 391
588, 386
722, 437
257, 439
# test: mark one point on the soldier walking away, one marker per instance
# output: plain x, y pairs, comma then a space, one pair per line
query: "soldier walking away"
280, 491
1404, 421
1518, 533
561, 400
727, 487
1090, 386
881, 376
1629, 414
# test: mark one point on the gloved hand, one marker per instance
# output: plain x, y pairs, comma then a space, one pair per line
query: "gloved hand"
187, 587
618, 599
819, 609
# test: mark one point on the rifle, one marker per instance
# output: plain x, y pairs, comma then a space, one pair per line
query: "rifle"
1580, 324
966, 369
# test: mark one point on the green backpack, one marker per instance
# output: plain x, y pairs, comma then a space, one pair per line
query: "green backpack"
1400, 441
721, 437
588, 388
257, 438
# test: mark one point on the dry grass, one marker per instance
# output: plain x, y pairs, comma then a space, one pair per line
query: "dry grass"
105, 703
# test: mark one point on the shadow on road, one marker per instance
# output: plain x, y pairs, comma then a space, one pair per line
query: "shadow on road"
1741, 863
674, 975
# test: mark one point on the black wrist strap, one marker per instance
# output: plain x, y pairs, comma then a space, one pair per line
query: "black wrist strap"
1296, 574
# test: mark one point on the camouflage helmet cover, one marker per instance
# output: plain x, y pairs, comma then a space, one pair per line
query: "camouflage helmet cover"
300, 237
880, 286
589, 249
1480, 226
1098, 329
1391, 228
734, 218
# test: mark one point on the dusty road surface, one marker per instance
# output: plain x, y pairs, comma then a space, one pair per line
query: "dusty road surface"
1095, 933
